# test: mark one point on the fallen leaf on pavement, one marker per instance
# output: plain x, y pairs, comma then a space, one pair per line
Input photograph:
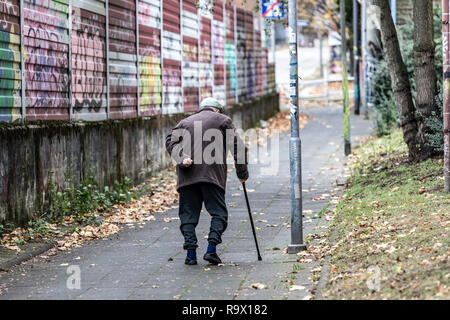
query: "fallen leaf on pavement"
295, 288
258, 286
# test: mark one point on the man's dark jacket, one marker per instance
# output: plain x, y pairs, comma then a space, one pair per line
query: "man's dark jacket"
215, 173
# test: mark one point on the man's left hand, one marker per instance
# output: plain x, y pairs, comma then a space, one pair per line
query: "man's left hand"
187, 162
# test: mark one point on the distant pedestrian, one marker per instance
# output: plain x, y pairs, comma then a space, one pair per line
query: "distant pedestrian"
199, 144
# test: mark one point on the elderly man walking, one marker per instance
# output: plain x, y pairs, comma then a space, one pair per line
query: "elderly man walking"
199, 144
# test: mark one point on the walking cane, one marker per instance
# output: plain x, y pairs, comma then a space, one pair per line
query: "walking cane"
251, 220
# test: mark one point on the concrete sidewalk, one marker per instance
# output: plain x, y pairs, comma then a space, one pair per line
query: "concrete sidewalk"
148, 263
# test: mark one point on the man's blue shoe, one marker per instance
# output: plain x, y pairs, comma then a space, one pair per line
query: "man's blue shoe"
191, 257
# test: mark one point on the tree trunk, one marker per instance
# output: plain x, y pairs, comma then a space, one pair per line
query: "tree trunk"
424, 72
399, 78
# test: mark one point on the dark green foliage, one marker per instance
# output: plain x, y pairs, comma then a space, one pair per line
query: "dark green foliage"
385, 111
436, 139
38, 227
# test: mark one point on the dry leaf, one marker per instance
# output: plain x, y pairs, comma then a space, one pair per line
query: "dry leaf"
295, 288
258, 285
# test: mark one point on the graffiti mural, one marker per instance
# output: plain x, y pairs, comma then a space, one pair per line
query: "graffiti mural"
122, 59
206, 67
161, 57
257, 53
190, 32
250, 56
172, 91
46, 44
241, 55
88, 65
230, 55
150, 82
218, 39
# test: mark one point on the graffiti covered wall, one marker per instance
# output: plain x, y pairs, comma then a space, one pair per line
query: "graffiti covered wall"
89, 60
114, 59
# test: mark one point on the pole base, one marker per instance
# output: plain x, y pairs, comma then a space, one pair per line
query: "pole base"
296, 248
347, 148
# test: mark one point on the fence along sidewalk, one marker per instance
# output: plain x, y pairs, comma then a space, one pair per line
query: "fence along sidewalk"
115, 59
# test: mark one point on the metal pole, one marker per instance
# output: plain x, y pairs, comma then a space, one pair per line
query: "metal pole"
295, 143
347, 145
70, 62
224, 51
199, 94
107, 60
181, 51
22, 66
446, 91
364, 56
212, 55
321, 53
161, 53
253, 60
274, 84
138, 76
355, 55
236, 87
327, 91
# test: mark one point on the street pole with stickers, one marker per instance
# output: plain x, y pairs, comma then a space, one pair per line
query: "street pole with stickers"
296, 244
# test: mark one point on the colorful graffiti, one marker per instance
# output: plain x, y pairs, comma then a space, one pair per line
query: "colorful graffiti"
123, 68
150, 75
205, 66
88, 66
150, 84
46, 71
10, 75
165, 58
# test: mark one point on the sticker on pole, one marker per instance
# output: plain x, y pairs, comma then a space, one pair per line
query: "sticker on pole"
273, 9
